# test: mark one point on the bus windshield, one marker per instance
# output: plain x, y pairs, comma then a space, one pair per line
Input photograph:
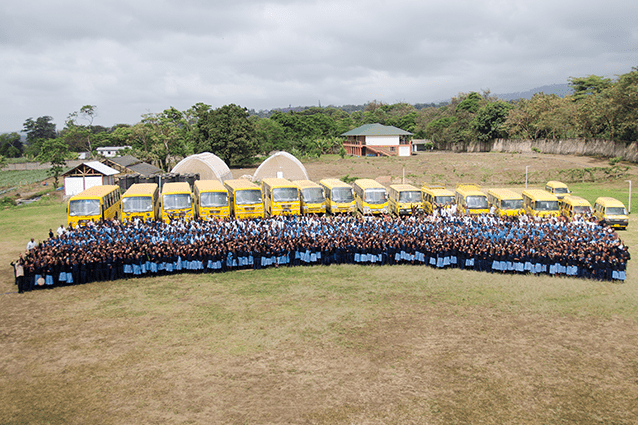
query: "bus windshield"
476, 202
176, 201
375, 196
512, 204
412, 196
132, 204
561, 190
582, 210
84, 207
616, 211
342, 195
443, 200
546, 206
285, 194
214, 199
248, 197
313, 195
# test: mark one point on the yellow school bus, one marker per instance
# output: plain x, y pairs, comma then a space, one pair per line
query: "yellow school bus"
505, 202
540, 203
436, 195
281, 197
211, 199
402, 198
141, 200
94, 204
370, 196
177, 202
572, 205
470, 200
245, 199
611, 211
311, 196
339, 196
556, 188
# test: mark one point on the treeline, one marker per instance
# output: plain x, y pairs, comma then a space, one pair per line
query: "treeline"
599, 108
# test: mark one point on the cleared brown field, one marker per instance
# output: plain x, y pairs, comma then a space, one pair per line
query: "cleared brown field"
319, 345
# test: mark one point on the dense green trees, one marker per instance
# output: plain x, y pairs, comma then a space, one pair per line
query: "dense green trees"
11, 145
227, 132
37, 132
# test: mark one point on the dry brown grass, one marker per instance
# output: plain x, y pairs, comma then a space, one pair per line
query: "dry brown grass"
321, 345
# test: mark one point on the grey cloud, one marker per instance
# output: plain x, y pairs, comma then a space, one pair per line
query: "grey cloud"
130, 58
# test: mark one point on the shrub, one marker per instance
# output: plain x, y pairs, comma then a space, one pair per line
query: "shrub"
7, 201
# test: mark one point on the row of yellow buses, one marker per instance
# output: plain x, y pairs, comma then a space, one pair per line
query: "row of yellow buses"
242, 198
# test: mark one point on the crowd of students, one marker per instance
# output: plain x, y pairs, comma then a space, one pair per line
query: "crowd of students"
112, 250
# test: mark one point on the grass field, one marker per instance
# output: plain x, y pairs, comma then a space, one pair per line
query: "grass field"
21, 177
318, 345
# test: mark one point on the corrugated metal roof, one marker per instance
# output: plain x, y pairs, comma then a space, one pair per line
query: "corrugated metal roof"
145, 169
102, 168
125, 160
377, 130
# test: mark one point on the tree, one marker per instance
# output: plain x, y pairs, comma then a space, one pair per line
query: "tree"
227, 133
37, 131
270, 136
55, 152
587, 86
470, 103
75, 132
10, 145
490, 119
158, 138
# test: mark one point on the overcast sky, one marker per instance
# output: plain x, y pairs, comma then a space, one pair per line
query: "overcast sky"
132, 57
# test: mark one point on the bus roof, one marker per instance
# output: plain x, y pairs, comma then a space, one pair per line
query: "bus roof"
539, 195
469, 190
437, 191
555, 183
277, 182
240, 184
404, 188
607, 201
504, 194
368, 184
576, 201
95, 192
331, 183
210, 186
303, 184
176, 187
139, 189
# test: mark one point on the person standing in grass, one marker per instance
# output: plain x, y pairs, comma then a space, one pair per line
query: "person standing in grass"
31, 244
18, 267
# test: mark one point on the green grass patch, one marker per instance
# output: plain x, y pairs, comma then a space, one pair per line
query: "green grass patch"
16, 178
617, 189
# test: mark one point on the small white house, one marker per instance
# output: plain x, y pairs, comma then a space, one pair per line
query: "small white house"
111, 151
87, 175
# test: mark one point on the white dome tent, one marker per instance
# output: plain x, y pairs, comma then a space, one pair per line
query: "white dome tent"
281, 164
209, 167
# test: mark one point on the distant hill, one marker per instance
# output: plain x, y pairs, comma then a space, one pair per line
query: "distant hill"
560, 90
